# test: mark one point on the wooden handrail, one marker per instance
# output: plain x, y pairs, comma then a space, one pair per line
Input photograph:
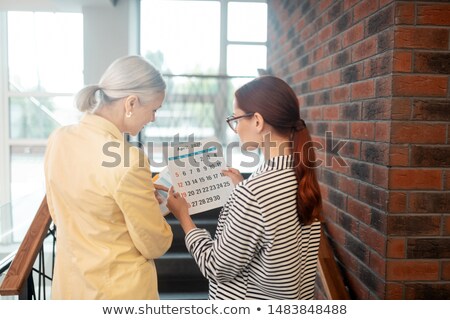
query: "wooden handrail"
333, 283
23, 262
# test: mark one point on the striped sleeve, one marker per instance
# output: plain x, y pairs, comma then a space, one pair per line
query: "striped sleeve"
235, 245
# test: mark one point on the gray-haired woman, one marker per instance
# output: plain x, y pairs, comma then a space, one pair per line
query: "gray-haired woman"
109, 225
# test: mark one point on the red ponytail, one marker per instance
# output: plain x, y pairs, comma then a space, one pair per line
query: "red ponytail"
309, 200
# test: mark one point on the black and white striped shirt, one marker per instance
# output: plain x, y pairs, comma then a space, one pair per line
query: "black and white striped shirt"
260, 250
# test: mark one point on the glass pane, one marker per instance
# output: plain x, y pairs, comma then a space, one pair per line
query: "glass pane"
45, 51
245, 60
36, 118
27, 190
247, 21
181, 37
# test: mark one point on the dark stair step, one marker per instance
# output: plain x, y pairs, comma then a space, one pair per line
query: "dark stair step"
178, 243
178, 273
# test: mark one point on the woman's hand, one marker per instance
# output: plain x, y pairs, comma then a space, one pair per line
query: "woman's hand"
157, 194
234, 175
180, 209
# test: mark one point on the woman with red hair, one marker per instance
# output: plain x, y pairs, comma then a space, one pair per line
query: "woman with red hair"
268, 233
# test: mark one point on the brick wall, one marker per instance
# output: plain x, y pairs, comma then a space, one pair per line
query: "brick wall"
375, 73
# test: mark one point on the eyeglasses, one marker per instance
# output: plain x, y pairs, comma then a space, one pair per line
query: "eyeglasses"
233, 121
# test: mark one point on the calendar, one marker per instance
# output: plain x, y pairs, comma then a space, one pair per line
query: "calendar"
196, 173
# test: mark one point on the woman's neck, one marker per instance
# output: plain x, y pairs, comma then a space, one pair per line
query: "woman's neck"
275, 146
113, 114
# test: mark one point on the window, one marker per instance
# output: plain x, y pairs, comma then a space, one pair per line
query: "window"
45, 62
206, 50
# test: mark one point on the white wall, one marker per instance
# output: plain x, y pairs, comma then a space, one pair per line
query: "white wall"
109, 33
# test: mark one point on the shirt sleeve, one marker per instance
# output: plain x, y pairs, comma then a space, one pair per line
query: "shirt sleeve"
135, 196
235, 244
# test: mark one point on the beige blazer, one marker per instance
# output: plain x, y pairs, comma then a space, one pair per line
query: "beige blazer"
109, 225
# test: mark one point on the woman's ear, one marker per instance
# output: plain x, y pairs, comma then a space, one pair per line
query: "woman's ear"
130, 104
259, 122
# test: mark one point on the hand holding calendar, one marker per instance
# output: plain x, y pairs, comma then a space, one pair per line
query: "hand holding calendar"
195, 170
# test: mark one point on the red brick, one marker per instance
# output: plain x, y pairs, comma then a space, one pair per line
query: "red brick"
314, 113
376, 109
397, 202
396, 248
311, 43
336, 233
385, 2
373, 195
402, 61
429, 202
364, 49
348, 186
351, 149
333, 78
364, 8
377, 263
382, 131
404, 13
380, 176
447, 180
416, 86
359, 210
363, 89
407, 132
359, 290
340, 94
434, 14
324, 4
378, 65
317, 83
339, 129
372, 238
329, 211
331, 113
383, 87
299, 76
362, 130
432, 62
301, 102
353, 35
325, 33
394, 291
399, 155
337, 166
446, 270
323, 66
415, 179
426, 38
349, 3
446, 225
409, 270
318, 54
401, 109
414, 225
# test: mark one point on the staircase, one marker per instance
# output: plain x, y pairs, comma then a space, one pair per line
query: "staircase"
179, 277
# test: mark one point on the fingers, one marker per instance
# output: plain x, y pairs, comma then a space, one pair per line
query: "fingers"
231, 171
160, 187
159, 198
172, 193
